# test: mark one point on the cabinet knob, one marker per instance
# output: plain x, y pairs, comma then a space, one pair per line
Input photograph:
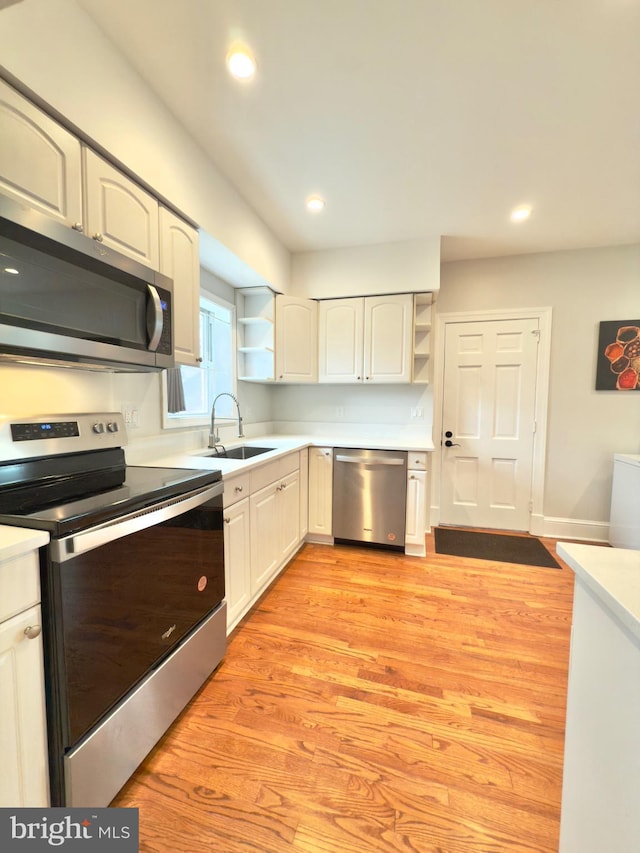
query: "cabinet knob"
78, 226
227, 520
359, 378
199, 359
412, 476
32, 631
239, 488
98, 237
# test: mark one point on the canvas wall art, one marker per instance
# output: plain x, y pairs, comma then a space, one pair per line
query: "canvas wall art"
618, 365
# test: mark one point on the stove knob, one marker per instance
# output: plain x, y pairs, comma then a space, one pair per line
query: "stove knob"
99, 428
112, 426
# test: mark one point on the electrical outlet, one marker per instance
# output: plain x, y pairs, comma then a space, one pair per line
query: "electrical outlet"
417, 412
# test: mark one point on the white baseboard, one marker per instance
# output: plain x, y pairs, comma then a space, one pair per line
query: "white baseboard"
555, 528
575, 528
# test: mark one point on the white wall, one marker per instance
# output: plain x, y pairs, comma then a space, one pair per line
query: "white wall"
55, 49
403, 267
353, 409
586, 427
27, 390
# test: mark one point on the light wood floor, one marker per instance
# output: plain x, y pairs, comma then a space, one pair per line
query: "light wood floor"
374, 702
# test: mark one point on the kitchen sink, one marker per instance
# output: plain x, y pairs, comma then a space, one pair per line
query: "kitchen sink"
244, 451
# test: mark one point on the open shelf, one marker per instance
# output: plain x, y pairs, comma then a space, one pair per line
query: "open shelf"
255, 311
422, 306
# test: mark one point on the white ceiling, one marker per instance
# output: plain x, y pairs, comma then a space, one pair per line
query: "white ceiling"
413, 118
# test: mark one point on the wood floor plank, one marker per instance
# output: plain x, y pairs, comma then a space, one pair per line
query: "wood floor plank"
374, 702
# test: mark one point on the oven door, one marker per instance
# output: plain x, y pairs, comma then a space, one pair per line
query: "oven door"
119, 599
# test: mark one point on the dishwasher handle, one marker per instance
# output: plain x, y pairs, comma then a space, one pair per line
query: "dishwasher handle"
369, 460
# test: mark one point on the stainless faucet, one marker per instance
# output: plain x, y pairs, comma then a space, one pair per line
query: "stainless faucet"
213, 438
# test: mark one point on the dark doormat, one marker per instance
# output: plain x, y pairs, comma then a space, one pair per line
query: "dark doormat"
498, 547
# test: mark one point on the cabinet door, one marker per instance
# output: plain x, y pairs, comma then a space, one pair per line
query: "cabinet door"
265, 536
289, 510
237, 560
180, 260
24, 780
388, 338
415, 528
304, 493
296, 339
340, 340
320, 490
120, 214
40, 161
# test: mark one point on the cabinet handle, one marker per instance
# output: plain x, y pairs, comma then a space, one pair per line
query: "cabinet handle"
239, 488
98, 237
227, 520
32, 631
199, 360
78, 226
283, 486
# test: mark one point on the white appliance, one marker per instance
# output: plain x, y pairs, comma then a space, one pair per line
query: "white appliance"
624, 522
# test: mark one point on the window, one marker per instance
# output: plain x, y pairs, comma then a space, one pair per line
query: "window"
190, 391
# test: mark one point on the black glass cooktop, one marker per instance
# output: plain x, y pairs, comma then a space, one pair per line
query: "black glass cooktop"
63, 502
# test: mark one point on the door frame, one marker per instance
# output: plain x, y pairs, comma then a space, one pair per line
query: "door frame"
543, 315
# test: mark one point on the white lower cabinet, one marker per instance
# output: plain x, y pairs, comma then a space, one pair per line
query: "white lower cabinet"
24, 780
304, 492
320, 494
416, 513
262, 530
237, 560
265, 538
275, 527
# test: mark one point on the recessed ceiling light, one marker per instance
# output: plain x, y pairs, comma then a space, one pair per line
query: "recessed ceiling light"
519, 214
315, 203
12, 271
241, 62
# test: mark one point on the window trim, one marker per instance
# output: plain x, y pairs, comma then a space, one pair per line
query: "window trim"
201, 421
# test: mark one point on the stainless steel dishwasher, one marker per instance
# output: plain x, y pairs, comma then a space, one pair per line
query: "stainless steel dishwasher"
369, 496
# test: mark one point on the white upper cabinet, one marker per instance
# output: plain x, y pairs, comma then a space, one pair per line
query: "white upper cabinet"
388, 338
368, 339
40, 161
296, 349
340, 340
120, 214
180, 260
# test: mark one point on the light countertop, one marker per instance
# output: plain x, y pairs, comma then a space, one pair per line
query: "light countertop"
612, 574
205, 458
16, 541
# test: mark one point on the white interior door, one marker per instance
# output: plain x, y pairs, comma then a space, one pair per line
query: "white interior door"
488, 419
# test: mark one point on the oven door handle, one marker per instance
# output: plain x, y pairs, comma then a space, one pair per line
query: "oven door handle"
79, 543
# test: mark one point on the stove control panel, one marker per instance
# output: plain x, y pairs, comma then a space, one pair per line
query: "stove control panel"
49, 434
50, 429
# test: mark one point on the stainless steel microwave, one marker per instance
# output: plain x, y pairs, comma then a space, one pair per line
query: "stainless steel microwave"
66, 299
